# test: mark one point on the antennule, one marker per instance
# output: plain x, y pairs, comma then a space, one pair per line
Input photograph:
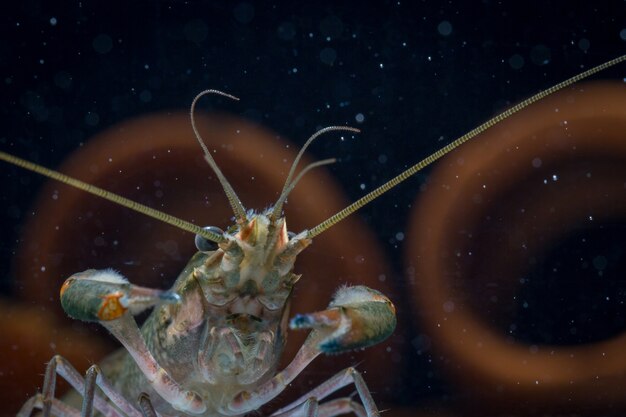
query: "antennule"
235, 203
283, 197
277, 207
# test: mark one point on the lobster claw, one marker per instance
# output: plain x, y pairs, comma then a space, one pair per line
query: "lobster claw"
356, 318
106, 295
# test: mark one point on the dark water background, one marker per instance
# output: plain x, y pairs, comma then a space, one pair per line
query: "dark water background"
412, 75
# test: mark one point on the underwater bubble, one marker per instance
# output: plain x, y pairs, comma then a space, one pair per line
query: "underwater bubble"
421, 343
155, 82
102, 43
286, 31
53, 21
448, 306
444, 28
170, 247
540, 55
244, 13
584, 44
92, 119
34, 103
360, 118
196, 31
328, 56
600, 263
516, 61
145, 96
14, 212
331, 27
622, 34
63, 80
536, 162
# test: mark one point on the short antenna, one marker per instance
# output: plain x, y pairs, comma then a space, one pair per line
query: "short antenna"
288, 184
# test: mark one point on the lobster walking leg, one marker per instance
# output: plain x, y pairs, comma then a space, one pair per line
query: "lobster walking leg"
56, 407
340, 406
338, 381
309, 408
147, 409
331, 408
86, 386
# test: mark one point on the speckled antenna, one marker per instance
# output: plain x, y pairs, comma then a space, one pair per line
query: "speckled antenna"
331, 221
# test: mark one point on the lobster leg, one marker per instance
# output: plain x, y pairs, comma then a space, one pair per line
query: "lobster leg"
55, 406
86, 386
338, 381
146, 406
309, 408
331, 408
340, 406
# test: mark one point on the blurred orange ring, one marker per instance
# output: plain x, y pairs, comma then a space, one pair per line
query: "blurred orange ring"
586, 123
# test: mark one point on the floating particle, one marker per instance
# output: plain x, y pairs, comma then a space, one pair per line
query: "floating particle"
286, 31
600, 263
196, 31
102, 43
584, 44
92, 119
536, 162
448, 306
540, 55
145, 96
444, 28
516, 61
331, 27
328, 56
63, 80
244, 13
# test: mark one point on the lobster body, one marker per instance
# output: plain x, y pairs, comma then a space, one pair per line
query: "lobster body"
221, 329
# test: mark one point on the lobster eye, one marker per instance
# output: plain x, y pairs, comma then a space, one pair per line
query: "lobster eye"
206, 245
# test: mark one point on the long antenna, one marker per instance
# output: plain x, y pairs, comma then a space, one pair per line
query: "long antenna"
107, 195
235, 203
331, 221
